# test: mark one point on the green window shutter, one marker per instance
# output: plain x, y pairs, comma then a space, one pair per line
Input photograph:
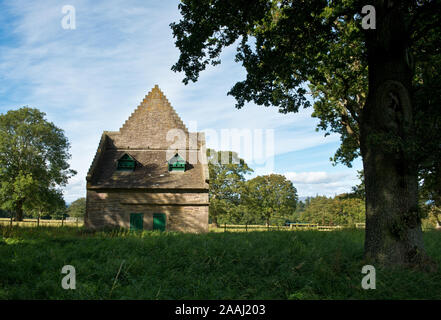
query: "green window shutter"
126, 163
159, 221
136, 221
177, 163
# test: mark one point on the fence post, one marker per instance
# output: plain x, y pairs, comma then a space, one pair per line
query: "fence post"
11, 219
225, 227
246, 227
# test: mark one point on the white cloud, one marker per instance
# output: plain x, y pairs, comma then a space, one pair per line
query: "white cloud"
90, 79
315, 177
322, 183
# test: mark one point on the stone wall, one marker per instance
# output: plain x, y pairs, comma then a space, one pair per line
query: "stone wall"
185, 211
154, 125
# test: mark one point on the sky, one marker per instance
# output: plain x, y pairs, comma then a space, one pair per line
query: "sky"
90, 76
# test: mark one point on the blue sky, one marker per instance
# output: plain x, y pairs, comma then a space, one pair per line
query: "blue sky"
90, 79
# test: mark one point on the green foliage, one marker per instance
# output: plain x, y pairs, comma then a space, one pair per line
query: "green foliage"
235, 200
286, 46
253, 265
359, 190
33, 162
270, 197
77, 208
227, 172
4, 214
342, 210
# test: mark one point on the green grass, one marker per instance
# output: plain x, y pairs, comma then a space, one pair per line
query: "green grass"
253, 265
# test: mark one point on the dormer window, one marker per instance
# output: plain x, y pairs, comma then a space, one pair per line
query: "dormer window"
176, 164
126, 163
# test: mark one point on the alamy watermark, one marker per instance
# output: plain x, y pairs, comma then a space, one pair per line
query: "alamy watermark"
255, 146
369, 20
68, 22
369, 280
69, 280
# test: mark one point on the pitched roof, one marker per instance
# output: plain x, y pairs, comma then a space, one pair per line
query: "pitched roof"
151, 172
145, 137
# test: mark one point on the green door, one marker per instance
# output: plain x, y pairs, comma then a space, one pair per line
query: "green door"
136, 220
159, 221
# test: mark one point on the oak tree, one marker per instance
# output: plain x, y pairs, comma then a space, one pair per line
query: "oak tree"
363, 82
227, 171
33, 161
270, 196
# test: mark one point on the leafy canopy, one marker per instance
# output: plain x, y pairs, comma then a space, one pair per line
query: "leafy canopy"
77, 208
293, 51
33, 160
227, 171
270, 196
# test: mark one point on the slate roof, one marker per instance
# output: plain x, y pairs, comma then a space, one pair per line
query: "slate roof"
151, 171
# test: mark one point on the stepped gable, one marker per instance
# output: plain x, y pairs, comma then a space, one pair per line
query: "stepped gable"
148, 194
148, 125
144, 137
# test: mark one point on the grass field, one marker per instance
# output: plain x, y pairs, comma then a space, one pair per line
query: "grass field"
223, 265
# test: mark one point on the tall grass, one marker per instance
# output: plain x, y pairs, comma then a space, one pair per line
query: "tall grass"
120, 264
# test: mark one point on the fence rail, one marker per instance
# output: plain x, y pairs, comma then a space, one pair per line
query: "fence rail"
224, 227
42, 222
291, 226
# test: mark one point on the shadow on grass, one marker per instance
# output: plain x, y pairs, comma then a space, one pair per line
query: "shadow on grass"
171, 265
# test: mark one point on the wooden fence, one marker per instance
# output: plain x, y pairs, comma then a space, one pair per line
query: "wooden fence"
221, 228
41, 222
291, 227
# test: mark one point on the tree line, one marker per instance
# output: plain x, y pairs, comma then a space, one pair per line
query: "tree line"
270, 199
233, 199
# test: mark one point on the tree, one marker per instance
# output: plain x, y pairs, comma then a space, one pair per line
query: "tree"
33, 161
270, 196
429, 191
44, 202
77, 208
227, 171
430, 196
362, 82
343, 210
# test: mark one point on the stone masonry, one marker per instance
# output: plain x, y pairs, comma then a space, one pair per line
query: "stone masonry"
151, 136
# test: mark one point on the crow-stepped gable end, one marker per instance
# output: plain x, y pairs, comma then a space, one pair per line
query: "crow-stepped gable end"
142, 179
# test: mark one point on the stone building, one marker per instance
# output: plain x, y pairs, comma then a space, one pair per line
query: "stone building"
151, 174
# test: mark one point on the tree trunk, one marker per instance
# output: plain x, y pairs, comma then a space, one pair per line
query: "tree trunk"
214, 221
19, 211
393, 223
